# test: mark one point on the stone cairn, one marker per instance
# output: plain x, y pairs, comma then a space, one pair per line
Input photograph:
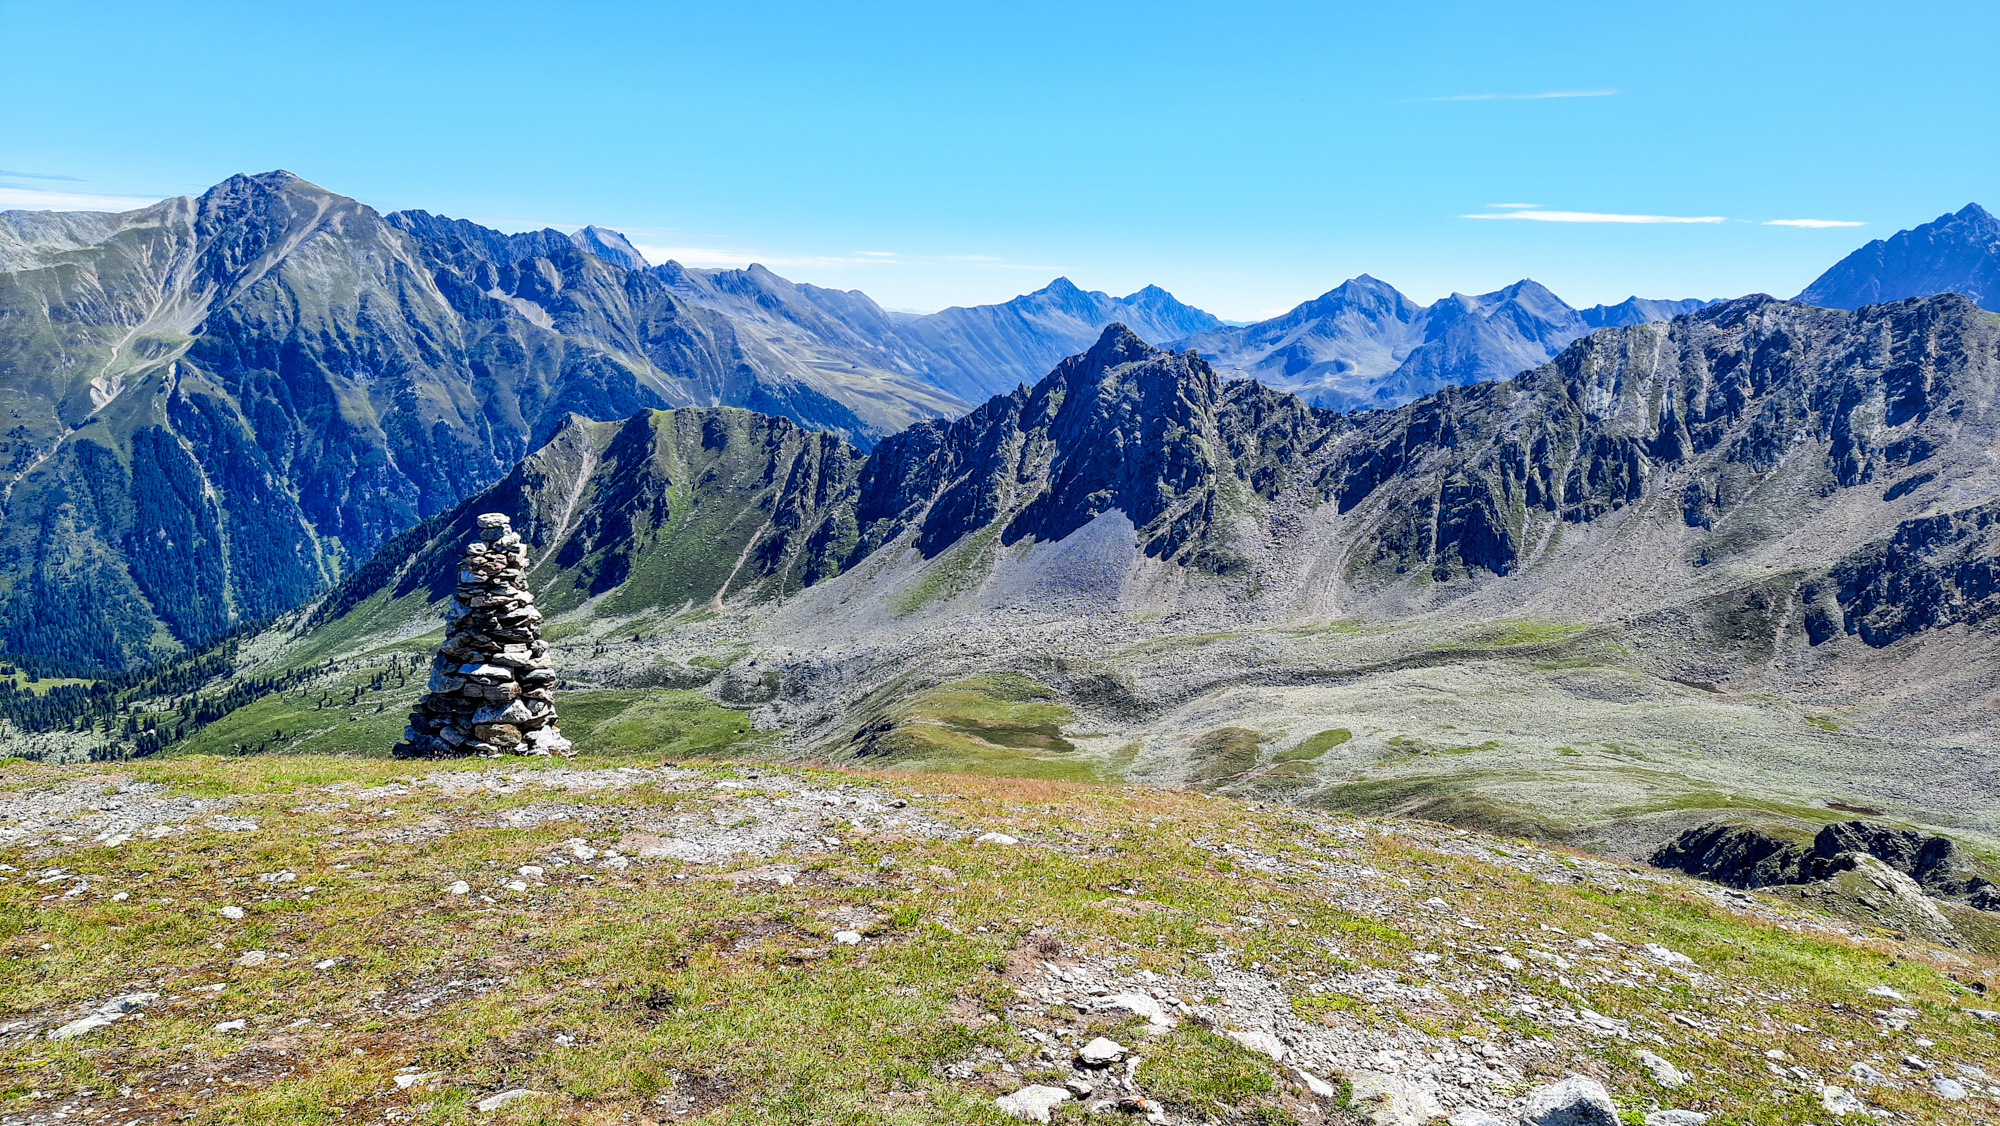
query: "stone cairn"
490, 690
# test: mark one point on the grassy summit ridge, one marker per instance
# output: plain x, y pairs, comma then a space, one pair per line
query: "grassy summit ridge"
737, 943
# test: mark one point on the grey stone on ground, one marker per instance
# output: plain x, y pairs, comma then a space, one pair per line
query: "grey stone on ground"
1101, 1052
1262, 1042
104, 1014
1032, 1104
1391, 1100
1839, 1103
1157, 1018
1576, 1100
492, 1103
1676, 1118
1663, 1071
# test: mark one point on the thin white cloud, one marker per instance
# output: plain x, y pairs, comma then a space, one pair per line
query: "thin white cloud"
877, 253
41, 176
1813, 223
1594, 217
1517, 97
36, 199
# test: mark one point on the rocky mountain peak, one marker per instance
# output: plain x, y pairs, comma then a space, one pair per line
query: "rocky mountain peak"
1365, 291
1958, 252
240, 183
1116, 345
1064, 296
610, 246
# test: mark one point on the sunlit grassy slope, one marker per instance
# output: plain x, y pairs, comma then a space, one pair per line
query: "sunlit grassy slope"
796, 945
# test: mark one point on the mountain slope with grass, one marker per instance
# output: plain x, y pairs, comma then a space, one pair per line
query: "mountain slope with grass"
1723, 569
317, 939
218, 405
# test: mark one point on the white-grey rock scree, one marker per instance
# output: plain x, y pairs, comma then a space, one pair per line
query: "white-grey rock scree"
491, 689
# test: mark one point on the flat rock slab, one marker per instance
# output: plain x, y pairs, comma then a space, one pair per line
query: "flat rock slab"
492, 1103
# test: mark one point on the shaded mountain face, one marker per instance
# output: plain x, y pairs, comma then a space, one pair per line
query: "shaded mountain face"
677, 508
687, 507
216, 405
1122, 427
1954, 253
1363, 344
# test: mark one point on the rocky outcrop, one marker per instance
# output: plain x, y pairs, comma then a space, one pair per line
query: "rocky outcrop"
1739, 856
492, 687
1937, 863
1933, 571
1706, 415
1752, 856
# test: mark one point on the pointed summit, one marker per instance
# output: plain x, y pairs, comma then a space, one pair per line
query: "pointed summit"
610, 246
1118, 345
1063, 294
1958, 252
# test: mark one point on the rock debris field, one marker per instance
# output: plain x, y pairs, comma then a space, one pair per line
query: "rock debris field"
365, 941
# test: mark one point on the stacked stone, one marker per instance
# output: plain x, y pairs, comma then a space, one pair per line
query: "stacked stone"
491, 689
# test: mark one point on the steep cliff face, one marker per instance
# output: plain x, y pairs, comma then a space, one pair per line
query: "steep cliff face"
1934, 571
1741, 418
218, 405
1122, 426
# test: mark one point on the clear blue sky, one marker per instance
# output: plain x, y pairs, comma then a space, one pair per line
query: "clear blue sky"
1246, 156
